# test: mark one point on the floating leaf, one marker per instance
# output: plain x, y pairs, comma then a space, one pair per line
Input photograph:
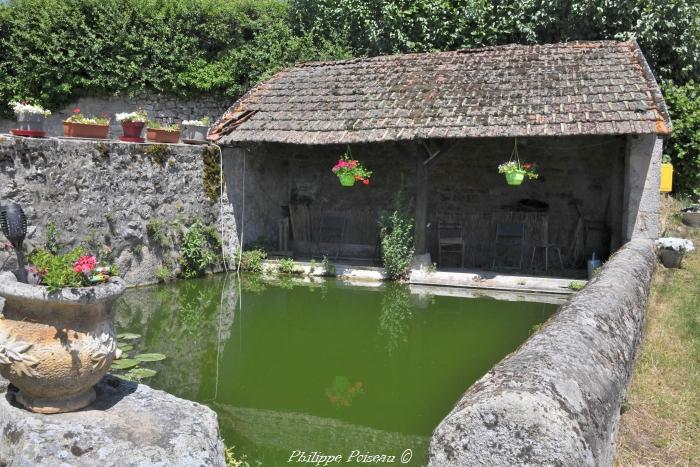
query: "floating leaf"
124, 363
128, 336
149, 357
125, 347
140, 373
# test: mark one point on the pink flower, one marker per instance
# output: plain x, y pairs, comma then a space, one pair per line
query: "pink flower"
76, 110
366, 181
85, 265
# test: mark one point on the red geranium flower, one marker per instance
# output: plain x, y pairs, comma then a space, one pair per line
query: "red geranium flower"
76, 110
366, 181
527, 166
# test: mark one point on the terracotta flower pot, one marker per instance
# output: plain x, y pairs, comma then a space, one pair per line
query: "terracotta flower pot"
84, 130
68, 129
133, 129
54, 347
162, 136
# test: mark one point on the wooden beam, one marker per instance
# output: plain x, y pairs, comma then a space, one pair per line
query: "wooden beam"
421, 203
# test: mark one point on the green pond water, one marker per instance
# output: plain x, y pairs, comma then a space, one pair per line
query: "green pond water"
326, 368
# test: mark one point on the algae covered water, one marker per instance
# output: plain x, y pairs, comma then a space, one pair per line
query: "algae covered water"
299, 373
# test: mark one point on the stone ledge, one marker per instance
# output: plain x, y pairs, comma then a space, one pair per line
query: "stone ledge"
128, 425
556, 400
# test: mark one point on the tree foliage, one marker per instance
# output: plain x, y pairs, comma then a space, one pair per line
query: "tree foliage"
57, 50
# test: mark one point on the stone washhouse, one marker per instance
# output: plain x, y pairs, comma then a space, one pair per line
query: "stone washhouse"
434, 127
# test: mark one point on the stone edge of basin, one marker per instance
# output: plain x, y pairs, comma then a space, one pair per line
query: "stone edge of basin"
128, 424
557, 399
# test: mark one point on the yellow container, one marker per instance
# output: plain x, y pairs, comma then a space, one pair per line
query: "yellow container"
666, 178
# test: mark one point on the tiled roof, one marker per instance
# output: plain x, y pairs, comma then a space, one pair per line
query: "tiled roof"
575, 88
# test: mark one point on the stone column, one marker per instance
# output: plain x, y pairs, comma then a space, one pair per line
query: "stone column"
642, 180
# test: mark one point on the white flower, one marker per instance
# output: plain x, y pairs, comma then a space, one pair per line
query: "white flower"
19, 108
676, 244
138, 116
201, 122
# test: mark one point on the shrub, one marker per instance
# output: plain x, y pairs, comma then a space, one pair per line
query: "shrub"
251, 260
288, 266
163, 274
199, 250
684, 145
396, 233
328, 267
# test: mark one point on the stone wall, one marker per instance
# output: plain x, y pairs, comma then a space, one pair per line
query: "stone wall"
581, 180
104, 193
160, 107
557, 399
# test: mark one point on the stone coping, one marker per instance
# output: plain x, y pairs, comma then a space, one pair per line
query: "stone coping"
557, 399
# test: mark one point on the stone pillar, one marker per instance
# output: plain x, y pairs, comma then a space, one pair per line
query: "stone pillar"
642, 180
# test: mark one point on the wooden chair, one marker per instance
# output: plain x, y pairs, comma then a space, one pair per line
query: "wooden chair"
331, 230
450, 241
545, 246
508, 237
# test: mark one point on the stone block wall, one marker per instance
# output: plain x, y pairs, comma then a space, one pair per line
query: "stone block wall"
581, 180
104, 193
162, 107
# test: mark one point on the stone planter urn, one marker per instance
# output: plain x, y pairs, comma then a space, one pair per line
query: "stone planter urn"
691, 216
55, 346
30, 121
194, 134
671, 258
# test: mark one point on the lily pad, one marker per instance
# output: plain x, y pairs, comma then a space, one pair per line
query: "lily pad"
125, 347
149, 357
124, 363
140, 373
128, 336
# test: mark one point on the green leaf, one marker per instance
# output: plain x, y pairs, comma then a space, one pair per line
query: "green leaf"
124, 363
125, 347
140, 373
128, 336
150, 357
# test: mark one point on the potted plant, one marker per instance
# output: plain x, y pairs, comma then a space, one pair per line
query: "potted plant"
691, 216
349, 170
159, 133
57, 339
516, 172
82, 126
30, 119
132, 125
195, 131
672, 250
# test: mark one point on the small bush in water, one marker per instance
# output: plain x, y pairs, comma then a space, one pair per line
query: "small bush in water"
251, 260
288, 266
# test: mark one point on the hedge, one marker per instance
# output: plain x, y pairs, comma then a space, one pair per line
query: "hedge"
57, 50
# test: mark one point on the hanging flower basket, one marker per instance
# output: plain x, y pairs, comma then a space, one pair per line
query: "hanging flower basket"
347, 179
516, 172
515, 177
350, 170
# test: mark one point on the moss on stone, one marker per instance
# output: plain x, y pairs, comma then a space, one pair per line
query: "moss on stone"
211, 173
159, 153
